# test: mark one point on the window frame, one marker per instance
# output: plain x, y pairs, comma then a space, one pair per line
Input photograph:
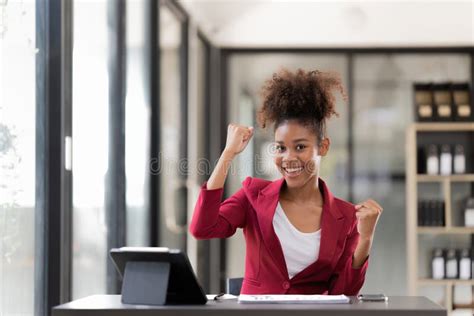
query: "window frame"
53, 193
115, 200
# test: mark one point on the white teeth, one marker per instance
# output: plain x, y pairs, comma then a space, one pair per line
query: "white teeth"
290, 170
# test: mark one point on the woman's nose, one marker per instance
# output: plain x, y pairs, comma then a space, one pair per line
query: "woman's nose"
289, 155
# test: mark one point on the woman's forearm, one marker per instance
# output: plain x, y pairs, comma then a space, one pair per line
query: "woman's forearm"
218, 176
362, 252
238, 138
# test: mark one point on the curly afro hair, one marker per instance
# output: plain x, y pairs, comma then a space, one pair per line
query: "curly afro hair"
305, 96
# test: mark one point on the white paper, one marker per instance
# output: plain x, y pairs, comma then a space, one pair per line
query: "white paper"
297, 299
145, 249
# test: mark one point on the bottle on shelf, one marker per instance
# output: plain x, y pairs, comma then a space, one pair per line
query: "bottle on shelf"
472, 256
459, 159
437, 213
465, 264
472, 262
431, 213
432, 160
446, 160
421, 213
442, 213
438, 264
469, 213
451, 264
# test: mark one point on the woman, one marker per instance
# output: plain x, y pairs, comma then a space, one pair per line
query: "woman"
300, 239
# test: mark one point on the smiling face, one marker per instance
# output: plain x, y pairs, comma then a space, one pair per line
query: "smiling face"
298, 154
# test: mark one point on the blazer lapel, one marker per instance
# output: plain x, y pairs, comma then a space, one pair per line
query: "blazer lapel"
266, 204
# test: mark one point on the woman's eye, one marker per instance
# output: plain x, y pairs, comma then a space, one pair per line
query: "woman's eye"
300, 147
279, 148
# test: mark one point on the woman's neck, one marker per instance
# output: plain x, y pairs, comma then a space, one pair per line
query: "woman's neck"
309, 192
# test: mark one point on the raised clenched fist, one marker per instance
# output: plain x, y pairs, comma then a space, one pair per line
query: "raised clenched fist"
367, 213
238, 137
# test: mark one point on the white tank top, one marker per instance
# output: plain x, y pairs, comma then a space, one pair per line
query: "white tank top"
300, 249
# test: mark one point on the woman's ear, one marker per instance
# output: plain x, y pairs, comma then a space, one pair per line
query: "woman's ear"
324, 146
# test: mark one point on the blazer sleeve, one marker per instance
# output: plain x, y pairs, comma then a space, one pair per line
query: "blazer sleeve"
345, 279
213, 218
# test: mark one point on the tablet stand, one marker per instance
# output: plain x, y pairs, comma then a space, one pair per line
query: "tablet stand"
145, 283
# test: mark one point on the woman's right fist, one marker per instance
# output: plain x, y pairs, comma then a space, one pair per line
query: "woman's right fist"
237, 138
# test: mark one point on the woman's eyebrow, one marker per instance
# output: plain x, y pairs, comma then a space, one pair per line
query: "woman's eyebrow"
294, 141
300, 140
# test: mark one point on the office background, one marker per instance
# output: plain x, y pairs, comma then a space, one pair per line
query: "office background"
113, 112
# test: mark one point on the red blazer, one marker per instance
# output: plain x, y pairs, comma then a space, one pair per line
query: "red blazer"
252, 208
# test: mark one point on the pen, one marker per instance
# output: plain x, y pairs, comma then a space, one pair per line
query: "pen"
216, 298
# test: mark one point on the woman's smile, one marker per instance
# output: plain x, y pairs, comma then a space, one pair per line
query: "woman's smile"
292, 172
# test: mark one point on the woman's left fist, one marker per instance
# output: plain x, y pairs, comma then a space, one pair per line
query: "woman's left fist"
368, 214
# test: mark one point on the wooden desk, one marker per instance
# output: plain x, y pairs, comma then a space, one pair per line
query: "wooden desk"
110, 305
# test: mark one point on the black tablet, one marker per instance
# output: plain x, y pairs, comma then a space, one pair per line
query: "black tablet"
182, 287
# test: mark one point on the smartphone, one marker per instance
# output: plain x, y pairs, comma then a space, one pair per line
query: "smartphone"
372, 297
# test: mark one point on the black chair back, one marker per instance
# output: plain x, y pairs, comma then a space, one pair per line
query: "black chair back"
233, 286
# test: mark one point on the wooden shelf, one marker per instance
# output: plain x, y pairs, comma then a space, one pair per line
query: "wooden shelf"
424, 282
444, 126
462, 306
414, 232
445, 230
439, 178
